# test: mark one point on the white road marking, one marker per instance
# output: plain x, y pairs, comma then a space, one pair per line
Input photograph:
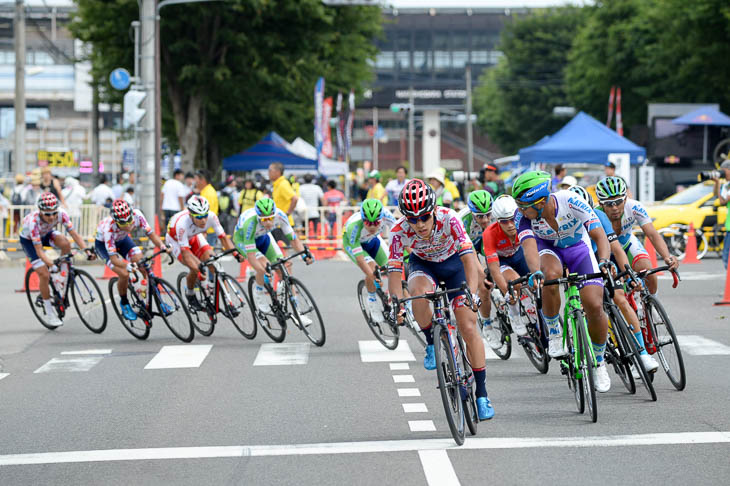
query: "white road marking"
403, 379
373, 351
694, 276
69, 364
181, 356
88, 351
421, 426
438, 468
414, 408
409, 392
399, 366
701, 346
3, 375
490, 354
363, 447
274, 354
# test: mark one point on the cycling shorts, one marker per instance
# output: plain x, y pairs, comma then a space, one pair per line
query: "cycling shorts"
578, 258
374, 251
29, 248
125, 248
515, 262
450, 272
198, 246
267, 247
635, 250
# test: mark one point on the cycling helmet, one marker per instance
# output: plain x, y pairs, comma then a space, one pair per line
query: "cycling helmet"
374, 174
121, 212
371, 210
610, 187
265, 207
583, 193
47, 202
504, 207
198, 205
531, 186
416, 199
480, 202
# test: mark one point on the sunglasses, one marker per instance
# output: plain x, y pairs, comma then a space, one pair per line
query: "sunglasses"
266, 219
423, 219
506, 220
54, 213
612, 203
523, 206
371, 223
481, 215
125, 225
200, 216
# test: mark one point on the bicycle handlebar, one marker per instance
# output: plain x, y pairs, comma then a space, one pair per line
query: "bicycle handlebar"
434, 296
144, 261
282, 261
642, 274
215, 258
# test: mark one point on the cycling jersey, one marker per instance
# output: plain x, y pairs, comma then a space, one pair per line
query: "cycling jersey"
634, 214
607, 227
249, 232
497, 244
472, 228
448, 237
34, 228
574, 217
356, 236
109, 234
182, 229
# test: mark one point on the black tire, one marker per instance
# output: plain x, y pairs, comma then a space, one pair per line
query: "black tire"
202, 320
631, 347
468, 401
668, 350
448, 385
270, 323
88, 301
36, 303
307, 306
616, 353
535, 351
177, 318
505, 336
238, 310
386, 333
586, 368
137, 328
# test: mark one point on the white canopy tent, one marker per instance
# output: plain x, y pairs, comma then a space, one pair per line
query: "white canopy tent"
327, 167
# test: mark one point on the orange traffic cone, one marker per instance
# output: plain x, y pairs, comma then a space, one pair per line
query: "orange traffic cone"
726, 298
652, 252
690, 251
242, 277
33, 284
108, 273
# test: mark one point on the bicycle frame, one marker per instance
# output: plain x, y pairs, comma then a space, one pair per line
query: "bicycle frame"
151, 284
572, 307
280, 266
217, 288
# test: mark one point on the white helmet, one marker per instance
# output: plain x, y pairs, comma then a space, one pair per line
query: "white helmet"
504, 207
198, 205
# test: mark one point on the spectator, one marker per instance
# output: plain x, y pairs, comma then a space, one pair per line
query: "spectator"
567, 182
118, 188
375, 188
249, 195
228, 204
450, 186
609, 168
722, 191
206, 189
560, 172
75, 194
17, 199
190, 184
443, 197
50, 184
32, 191
492, 182
174, 193
395, 186
128, 196
284, 196
312, 195
332, 199
102, 192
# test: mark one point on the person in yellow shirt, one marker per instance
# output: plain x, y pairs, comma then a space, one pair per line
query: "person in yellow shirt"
206, 189
282, 193
375, 188
249, 195
448, 185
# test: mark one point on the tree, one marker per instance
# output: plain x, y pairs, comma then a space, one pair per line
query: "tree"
235, 70
514, 100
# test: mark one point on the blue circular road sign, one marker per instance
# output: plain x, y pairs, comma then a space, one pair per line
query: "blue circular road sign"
120, 79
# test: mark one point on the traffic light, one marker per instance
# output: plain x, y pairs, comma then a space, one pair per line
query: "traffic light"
133, 112
400, 107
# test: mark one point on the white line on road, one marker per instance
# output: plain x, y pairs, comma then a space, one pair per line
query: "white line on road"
363, 447
409, 392
438, 468
686, 276
3, 375
273, 354
373, 351
399, 366
69, 364
421, 426
182, 356
414, 408
701, 346
403, 379
88, 351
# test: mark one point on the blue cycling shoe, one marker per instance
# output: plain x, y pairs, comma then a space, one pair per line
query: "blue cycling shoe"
166, 309
128, 313
429, 362
484, 408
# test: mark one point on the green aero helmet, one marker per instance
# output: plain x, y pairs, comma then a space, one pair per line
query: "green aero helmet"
480, 202
610, 187
531, 186
371, 210
265, 207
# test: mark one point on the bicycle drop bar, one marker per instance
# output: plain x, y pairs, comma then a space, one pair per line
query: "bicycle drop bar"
281, 261
434, 296
215, 258
144, 261
645, 273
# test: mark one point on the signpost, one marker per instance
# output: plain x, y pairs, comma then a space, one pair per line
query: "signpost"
120, 79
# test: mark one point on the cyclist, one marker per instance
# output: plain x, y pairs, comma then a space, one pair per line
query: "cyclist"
38, 230
186, 237
364, 245
554, 232
114, 244
624, 213
440, 251
619, 297
253, 239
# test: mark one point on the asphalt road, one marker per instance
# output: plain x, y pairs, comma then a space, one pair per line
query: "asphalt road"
331, 416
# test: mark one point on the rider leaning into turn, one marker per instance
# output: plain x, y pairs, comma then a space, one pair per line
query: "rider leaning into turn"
38, 230
440, 251
555, 231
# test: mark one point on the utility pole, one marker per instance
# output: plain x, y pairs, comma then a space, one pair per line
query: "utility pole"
469, 135
411, 133
146, 174
375, 138
19, 104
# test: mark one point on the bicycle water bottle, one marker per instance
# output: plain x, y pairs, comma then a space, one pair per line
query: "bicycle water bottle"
454, 343
59, 278
529, 305
142, 289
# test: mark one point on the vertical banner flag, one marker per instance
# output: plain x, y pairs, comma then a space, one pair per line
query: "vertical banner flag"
326, 132
619, 121
339, 128
610, 106
350, 122
318, 100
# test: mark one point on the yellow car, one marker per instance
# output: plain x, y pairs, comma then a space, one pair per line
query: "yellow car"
695, 205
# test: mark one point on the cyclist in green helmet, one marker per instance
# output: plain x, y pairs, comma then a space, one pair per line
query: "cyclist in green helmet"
363, 243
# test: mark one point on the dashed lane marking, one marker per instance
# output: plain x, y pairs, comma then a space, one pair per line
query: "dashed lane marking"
69, 364
182, 356
87, 351
701, 346
373, 352
409, 392
421, 426
403, 379
3, 375
275, 354
438, 468
399, 366
414, 408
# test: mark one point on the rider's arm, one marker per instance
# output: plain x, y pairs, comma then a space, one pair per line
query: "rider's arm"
599, 237
532, 256
395, 263
657, 240
619, 254
471, 268
156, 240
77, 238
42, 255
497, 276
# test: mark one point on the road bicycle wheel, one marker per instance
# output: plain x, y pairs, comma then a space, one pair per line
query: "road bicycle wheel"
449, 384
410, 323
203, 321
173, 311
88, 301
631, 348
237, 307
303, 304
385, 332
138, 328
505, 336
585, 365
534, 349
468, 402
36, 302
569, 366
274, 327
616, 353
668, 350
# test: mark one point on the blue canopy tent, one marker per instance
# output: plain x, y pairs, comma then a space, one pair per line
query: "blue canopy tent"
705, 116
271, 148
582, 140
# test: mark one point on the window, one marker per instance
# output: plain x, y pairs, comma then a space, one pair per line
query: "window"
7, 57
689, 195
384, 60
421, 60
32, 115
441, 59
403, 59
460, 59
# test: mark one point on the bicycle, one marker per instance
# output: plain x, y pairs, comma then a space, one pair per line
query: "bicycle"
287, 304
387, 332
676, 236
658, 331
234, 299
85, 294
168, 303
453, 369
